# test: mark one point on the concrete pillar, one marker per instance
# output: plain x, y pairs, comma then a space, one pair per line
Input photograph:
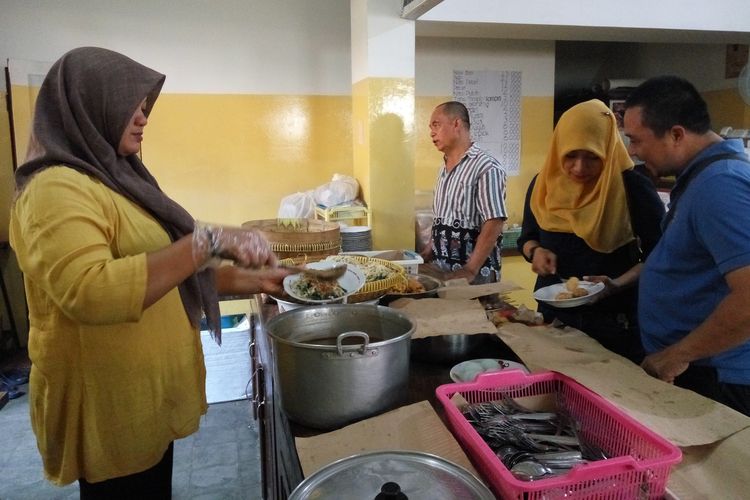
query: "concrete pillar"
383, 111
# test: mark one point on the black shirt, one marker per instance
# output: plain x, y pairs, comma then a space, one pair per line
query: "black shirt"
576, 258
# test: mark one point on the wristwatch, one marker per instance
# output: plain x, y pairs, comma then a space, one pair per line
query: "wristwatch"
530, 257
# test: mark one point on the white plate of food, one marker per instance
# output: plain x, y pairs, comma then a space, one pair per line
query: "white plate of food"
467, 371
311, 290
572, 293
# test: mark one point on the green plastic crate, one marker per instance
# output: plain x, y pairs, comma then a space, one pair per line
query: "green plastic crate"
510, 238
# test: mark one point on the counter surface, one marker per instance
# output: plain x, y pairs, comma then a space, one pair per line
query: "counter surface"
281, 470
715, 466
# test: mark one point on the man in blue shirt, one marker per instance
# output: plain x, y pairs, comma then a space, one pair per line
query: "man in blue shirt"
694, 296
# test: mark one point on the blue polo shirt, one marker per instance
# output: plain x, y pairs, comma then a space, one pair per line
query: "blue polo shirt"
682, 281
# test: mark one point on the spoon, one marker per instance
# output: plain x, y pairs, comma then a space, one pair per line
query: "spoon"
332, 271
529, 470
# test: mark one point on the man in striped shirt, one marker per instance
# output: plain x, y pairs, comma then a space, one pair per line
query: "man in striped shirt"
469, 205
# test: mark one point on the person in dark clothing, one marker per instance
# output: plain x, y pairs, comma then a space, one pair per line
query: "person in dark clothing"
589, 215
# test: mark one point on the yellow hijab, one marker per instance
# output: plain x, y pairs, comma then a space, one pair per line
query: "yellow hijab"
598, 212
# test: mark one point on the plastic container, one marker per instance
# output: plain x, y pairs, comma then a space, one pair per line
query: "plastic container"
405, 258
343, 212
640, 460
228, 365
510, 238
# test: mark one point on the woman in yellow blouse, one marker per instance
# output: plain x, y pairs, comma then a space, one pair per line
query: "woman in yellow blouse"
117, 281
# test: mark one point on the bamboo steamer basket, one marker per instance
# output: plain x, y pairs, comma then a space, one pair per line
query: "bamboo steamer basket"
299, 240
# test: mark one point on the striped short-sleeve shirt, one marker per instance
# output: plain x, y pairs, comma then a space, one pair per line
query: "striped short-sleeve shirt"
467, 196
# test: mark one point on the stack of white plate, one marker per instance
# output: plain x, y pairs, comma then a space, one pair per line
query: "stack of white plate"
356, 239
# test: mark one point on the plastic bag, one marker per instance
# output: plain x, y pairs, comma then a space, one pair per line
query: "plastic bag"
342, 189
297, 206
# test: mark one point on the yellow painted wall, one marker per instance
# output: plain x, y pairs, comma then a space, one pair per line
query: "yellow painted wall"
727, 109
383, 110
8, 265
231, 158
361, 135
23, 108
6, 167
225, 158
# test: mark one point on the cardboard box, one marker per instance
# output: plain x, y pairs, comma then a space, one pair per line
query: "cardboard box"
228, 365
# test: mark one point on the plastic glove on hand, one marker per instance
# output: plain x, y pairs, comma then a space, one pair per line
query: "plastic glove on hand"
245, 247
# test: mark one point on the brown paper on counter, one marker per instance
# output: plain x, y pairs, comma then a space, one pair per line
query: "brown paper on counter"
717, 470
457, 290
680, 415
415, 427
445, 317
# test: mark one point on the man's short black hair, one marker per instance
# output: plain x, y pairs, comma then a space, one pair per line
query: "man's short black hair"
456, 109
666, 101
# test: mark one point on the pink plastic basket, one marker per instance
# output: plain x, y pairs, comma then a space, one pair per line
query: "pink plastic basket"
640, 460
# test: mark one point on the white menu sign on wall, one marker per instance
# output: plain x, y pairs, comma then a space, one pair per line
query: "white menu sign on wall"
493, 99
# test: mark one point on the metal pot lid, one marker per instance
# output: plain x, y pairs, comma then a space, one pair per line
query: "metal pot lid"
419, 476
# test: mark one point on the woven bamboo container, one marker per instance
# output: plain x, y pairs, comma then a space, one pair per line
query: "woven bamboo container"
301, 240
375, 289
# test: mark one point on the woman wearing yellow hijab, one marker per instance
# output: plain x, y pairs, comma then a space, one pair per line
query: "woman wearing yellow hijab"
589, 214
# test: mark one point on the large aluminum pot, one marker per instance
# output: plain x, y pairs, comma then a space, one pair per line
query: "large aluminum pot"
338, 363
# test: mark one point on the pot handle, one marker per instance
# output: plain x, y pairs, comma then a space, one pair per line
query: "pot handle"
341, 337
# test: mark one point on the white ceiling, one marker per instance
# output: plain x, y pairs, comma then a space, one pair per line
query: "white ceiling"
660, 21
579, 33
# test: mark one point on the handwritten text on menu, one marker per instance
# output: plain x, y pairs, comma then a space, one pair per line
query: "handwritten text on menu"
493, 99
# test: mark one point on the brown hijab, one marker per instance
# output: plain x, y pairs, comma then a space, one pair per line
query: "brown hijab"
83, 107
